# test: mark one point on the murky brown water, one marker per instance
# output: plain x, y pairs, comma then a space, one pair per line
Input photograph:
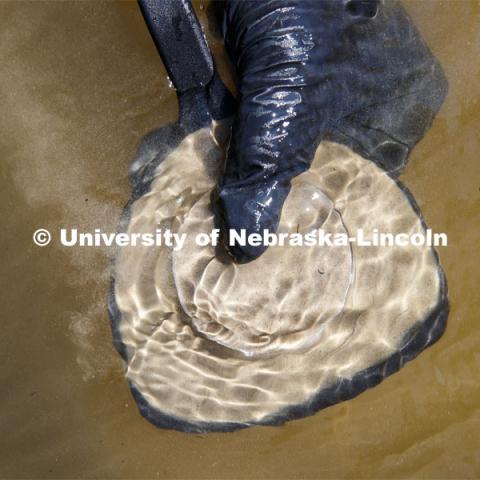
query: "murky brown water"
80, 84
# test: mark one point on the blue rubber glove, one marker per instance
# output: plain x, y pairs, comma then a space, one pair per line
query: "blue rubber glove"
356, 72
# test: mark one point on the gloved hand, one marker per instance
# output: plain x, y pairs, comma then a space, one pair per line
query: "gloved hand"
356, 72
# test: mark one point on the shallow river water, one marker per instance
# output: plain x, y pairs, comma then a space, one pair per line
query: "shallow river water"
81, 83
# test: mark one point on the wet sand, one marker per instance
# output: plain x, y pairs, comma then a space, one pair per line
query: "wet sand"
81, 84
